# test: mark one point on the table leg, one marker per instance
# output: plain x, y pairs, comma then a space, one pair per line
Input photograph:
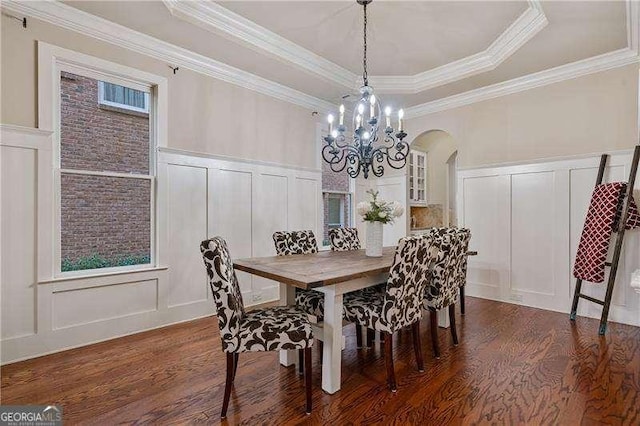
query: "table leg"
332, 351
443, 318
288, 297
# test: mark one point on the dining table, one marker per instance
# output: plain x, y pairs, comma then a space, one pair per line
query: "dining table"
332, 273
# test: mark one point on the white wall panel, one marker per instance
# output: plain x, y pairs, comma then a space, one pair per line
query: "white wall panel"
271, 199
486, 212
18, 180
526, 221
307, 207
187, 227
87, 305
231, 216
393, 189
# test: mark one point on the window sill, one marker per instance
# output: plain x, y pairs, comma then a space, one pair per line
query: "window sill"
102, 274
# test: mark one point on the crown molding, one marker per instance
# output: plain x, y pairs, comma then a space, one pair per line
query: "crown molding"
528, 24
222, 21
615, 59
73, 19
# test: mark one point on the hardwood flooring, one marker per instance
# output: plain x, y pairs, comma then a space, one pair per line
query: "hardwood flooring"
514, 365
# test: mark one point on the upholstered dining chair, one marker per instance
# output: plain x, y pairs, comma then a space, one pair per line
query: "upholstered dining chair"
401, 304
272, 329
311, 302
444, 282
344, 239
462, 275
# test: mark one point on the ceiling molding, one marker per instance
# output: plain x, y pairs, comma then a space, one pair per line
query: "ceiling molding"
576, 69
528, 24
73, 19
222, 21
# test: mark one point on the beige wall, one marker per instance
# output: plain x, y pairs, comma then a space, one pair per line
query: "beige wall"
439, 146
205, 114
590, 114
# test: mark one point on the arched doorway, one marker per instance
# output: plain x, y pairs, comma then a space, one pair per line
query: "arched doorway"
431, 181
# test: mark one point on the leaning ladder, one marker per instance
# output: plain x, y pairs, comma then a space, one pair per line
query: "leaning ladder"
622, 221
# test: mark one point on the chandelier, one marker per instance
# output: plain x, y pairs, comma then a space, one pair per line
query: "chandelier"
368, 150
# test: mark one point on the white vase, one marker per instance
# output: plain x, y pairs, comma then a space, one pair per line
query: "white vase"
374, 239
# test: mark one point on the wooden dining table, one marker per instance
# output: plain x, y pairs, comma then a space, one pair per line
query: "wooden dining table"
332, 274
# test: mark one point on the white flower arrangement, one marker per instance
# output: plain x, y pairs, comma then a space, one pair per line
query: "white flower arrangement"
378, 210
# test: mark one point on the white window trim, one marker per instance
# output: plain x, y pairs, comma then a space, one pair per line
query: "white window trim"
51, 61
103, 101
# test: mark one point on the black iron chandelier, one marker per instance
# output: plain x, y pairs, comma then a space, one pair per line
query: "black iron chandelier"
369, 150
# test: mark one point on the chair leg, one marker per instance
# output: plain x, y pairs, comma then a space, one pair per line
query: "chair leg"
417, 346
371, 335
359, 336
462, 300
433, 316
235, 365
307, 377
452, 321
227, 386
388, 358
300, 363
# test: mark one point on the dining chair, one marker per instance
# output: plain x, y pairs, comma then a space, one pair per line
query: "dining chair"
346, 239
444, 282
401, 304
311, 302
462, 277
272, 329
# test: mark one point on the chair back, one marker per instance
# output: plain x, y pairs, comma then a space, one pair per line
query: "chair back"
446, 274
344, 239
295, 242
465, 234
225, 289
408, 279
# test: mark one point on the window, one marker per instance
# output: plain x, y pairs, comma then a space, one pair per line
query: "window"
337, 201
116, 96
106, 176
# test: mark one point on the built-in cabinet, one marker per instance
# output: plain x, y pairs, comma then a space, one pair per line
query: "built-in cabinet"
417, 178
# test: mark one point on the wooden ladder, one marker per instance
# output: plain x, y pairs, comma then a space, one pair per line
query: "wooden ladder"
620, 225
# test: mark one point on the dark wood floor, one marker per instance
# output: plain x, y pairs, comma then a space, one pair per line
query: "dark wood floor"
514, 365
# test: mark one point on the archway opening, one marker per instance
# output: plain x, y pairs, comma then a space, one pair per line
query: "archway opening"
431, 181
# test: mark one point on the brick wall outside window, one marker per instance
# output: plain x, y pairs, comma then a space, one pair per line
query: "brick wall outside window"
332, 181
101, 216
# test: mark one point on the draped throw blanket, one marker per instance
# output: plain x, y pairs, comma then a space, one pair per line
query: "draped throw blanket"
604, 212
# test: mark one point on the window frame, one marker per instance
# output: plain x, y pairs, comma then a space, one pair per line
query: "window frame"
321, 132
340, 196
52, 61
103, 101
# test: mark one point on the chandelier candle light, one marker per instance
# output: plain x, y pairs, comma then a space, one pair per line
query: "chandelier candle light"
369, 150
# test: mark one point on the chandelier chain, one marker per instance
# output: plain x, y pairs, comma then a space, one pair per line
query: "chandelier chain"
364, 57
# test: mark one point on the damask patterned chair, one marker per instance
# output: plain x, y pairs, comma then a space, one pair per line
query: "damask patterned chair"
301, 242
462, 277
273, 329
444, 282
344, 239
401, 304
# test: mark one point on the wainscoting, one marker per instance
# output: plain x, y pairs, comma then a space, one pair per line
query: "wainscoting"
526, 222
198, 196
